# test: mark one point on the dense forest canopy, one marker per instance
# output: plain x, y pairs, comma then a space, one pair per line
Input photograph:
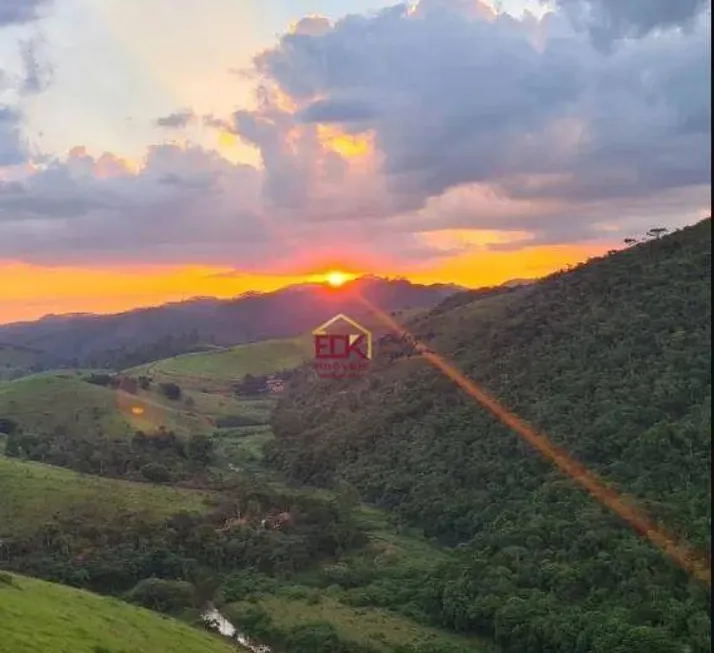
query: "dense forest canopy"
613, 361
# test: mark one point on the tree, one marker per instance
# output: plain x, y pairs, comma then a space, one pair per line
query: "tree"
12, 446
170, 596
657, 232
156, 473
8, 426
171, 391
99, 379
200, 448
251, 385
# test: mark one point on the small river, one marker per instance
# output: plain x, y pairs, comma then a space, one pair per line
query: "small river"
213, 617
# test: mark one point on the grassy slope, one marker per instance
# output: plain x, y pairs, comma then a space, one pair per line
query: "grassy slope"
40, 617
32, 493
372, 627
216, 369
47, 401
16, 361
612, 360
43, 402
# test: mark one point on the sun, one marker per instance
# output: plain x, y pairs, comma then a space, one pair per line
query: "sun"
335, 278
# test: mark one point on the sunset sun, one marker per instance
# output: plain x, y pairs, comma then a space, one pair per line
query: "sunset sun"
335, 278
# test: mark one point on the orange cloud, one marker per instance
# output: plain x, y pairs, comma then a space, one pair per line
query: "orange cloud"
349, 146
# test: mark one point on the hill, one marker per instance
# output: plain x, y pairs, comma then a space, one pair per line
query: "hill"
613, 361
222, 366
40, 616
140, 336
33, 493
18, 361
65, 403
45, 402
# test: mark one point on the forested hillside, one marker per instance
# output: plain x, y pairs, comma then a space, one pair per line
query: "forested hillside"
612, 360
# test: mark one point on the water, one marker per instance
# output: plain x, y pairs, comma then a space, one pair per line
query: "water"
214, 618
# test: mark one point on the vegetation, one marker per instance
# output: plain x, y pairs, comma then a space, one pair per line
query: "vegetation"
613, 361
40, 616
18, 361
220, 369
308, 623
34, 494
481, 537
251, 528
47, 402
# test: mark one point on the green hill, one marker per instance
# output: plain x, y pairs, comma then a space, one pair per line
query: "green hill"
218, 368
36, 616
18, 361
47, 401
33, 493
613, 361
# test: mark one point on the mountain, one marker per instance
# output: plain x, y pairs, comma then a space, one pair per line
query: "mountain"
613, 361
146, 334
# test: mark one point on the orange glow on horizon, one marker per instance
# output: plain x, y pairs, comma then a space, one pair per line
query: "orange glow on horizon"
32, 291
336, 278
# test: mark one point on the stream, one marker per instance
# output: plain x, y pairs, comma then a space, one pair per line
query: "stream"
213, 617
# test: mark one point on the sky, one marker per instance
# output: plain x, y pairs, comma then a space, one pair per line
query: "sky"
157, 150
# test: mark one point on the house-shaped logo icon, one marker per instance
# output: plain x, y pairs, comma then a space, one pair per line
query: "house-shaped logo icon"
341, 338
343, 348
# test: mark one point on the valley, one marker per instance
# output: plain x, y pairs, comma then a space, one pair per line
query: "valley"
385, 514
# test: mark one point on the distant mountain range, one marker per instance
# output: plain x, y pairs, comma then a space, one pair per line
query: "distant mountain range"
145, 334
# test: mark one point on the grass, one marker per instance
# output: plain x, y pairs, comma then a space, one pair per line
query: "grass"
44, 402
242, 447
367, 626
41, 617
213, 370
16, 361
32, 493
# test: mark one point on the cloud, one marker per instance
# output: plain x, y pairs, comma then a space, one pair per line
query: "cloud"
459, 97
338, 110
33, 80
20, 11
377, 132
608, 20
221, 124
38, 72
177, 120
11, 150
